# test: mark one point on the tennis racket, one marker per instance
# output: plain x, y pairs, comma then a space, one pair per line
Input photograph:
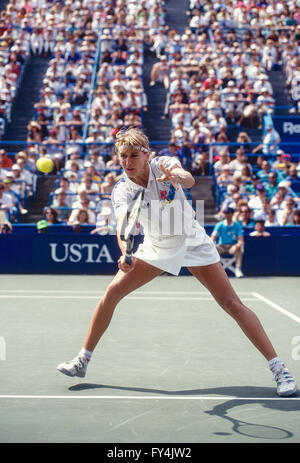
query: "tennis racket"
129, 224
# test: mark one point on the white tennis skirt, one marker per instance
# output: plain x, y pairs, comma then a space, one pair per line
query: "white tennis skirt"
195, 252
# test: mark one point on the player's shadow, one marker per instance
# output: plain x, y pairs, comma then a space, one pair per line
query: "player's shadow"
264, 396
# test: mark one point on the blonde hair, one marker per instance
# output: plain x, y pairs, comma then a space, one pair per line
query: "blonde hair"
132, 138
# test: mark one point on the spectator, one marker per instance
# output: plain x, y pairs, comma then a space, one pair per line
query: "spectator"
238, 163
260, 230
5, 161
60, 204
271, 185
201, 167
296, 217
263, 173
6, 202
286, 214
81, 218
245, 217
51, 216
108, 185
293, 174
225, 177
160, 73
270, 142
106, 223
86, 205
271, 219
229, 238
258, 203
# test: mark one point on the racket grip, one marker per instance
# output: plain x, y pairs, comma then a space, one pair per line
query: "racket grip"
128, 252
128, 259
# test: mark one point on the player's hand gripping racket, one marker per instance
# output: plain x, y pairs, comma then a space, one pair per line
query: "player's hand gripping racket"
129, 224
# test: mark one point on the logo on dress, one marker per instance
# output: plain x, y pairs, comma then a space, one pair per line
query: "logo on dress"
167, 196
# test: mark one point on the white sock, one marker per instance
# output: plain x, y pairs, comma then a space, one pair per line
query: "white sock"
86, 353
276, 363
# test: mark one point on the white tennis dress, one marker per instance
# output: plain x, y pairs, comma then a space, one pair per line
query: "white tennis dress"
173, 238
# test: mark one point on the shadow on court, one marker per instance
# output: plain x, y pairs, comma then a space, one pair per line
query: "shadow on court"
247, 394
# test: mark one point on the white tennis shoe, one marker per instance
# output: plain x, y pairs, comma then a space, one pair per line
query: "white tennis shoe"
286, 385
76, 367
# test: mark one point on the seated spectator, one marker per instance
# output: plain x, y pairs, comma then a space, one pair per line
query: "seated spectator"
238, 162
293, 174
51, 216
260, 229
201, 167
61, 205
106, 222
288, 192
245, 216
245, 140
108, 185
64, 185
263, 173
270, 142
285, 215
228, 236
81, 218
278, 164
296, 217
6, 202
271, 185
225, 177
259, 202
172, 150
271, 220
90, 171
12, 190
90, 186
86, 204
5, 161
74, 155
224, 159
5, 228
114, 164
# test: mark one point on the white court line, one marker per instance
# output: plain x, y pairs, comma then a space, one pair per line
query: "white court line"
132, 397
71, 291
277, 307
151, 298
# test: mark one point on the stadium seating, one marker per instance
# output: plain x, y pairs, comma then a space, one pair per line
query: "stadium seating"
217, 74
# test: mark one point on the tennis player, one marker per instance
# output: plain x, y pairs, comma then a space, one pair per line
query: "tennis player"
167, 249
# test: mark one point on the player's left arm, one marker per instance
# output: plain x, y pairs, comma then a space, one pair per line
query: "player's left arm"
177, 176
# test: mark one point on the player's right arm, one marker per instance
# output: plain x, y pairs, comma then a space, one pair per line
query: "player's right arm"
121, 197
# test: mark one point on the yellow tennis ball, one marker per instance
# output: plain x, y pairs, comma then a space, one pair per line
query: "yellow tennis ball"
44, 165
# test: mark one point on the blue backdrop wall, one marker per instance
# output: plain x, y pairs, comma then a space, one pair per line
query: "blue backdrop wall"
62, 252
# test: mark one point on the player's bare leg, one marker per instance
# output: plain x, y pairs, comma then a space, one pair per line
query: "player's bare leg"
215, 279
122, 285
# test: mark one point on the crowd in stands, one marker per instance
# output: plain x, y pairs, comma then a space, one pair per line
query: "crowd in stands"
215, 75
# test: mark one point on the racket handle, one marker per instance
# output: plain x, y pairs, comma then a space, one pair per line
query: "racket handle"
128, 252
128, 259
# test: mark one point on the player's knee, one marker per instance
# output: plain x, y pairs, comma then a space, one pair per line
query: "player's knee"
114, 293
233, 306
